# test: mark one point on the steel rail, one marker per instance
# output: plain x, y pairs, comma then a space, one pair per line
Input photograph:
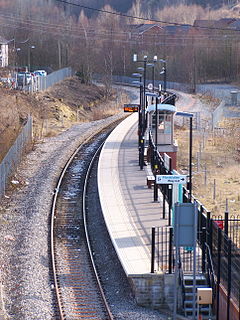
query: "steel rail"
53, 210
86, 230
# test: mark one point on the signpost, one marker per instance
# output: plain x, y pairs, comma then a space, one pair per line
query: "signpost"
185, 234
131, 107
171, 179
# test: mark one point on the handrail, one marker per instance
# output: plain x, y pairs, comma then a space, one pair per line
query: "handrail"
210, 270
170, 99
180, 277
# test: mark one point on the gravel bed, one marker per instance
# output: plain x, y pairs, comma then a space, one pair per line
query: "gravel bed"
24, 261
113, 278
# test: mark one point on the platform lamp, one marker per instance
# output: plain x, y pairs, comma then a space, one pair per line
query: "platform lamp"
17, 50
164, 72
156, 96
190, 116
141, 148
152, 64
140, 84
29, 57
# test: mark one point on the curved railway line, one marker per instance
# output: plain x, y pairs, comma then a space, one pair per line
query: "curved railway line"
77, 285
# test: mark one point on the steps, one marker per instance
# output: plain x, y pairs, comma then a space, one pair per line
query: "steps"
205, 310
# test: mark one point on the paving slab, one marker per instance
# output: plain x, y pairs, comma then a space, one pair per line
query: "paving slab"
127, 203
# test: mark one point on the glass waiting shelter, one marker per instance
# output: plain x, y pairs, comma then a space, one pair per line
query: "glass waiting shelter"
165, 124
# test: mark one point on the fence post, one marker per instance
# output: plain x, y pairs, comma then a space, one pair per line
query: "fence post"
169, 204
226, 219
209, 230
164, 202
153, 250
229, 242
218, 268
170, 250
203, 249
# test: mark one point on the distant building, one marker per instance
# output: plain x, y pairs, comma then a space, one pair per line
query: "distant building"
144, 32
3, 52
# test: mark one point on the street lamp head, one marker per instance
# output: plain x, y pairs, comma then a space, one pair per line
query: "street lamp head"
145, 57
137, 75
18, 49
137, 82
155, 58
151, 94
134, 57
32, 47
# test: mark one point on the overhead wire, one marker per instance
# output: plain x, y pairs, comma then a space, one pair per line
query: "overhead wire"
142, 18
91, 32
38, 26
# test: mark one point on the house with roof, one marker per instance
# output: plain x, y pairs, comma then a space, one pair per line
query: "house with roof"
235, 25
214, 26
3, 52
144, 32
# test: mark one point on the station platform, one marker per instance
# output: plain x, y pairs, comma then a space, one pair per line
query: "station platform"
127, 203
130, 211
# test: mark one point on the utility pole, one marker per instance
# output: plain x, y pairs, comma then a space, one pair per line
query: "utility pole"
59, 55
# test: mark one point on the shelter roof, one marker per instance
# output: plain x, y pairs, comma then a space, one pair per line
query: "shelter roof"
168, 108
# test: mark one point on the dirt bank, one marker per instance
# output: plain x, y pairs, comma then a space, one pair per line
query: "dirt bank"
54, 110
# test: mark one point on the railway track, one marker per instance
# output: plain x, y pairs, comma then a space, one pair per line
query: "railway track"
78, 289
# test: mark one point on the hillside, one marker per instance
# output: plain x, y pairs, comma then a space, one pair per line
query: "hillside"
125, 5
53, 111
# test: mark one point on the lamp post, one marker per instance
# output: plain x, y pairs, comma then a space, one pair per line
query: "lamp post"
143, 107
29, 57
17, 50
139, 82
156, 96
153, 71
190, 116
190, 157
164, 72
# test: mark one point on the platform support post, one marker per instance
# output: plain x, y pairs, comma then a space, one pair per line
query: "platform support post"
153, 250
170, 250
155, 191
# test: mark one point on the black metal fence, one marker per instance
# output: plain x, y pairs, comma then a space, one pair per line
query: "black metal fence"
218, 243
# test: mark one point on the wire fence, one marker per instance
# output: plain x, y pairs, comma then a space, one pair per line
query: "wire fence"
14, 155
41, 83
218, 114
129, 81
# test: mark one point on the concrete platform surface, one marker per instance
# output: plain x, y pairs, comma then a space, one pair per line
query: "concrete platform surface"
127, 203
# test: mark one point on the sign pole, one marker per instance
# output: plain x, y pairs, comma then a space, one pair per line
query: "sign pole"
176, 267
194, 259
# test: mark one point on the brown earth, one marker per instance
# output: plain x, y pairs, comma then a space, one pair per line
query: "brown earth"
53, 110
216, 158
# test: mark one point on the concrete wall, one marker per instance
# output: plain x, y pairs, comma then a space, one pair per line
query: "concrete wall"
153, 290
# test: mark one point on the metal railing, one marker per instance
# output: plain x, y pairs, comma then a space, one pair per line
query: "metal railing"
41, 83
129, 81
14, 155
214, 260
218, 114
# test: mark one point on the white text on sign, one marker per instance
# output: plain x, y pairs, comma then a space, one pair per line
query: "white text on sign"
171, 179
